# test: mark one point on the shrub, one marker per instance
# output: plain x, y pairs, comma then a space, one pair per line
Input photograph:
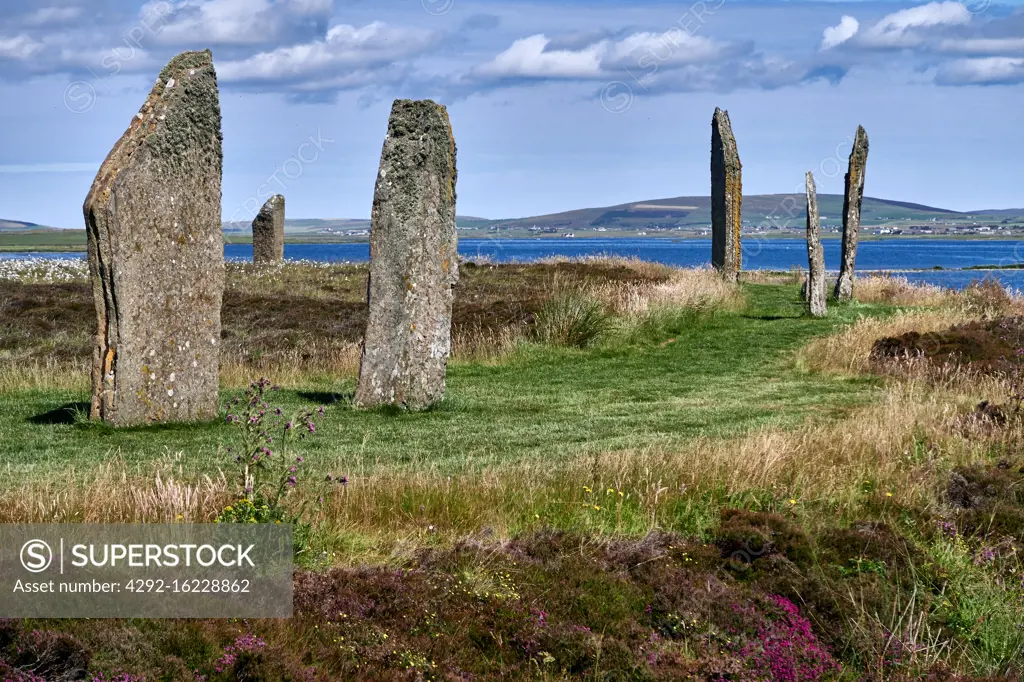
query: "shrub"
571, 320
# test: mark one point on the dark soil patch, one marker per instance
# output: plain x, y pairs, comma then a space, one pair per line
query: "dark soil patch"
264, 318
984, 346
51, 321
989, 501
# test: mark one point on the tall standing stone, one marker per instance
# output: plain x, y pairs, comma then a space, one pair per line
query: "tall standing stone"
852, 199
268, 232
156, 255
413, 261
726, 198
815, 256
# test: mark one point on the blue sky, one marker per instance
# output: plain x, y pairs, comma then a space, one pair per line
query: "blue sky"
555, 105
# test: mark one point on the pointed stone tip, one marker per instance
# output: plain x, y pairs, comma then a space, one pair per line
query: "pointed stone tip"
415, 103
273, 201
186, 61
721, 119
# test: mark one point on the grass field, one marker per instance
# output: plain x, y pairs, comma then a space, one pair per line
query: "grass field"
638, 473
685, 376
43, 240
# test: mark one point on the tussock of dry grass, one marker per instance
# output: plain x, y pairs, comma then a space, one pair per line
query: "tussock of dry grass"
643, 268
38, 375
292, 367
696, 288
115, 494
848, 352
895, 290
981, 300
488, 345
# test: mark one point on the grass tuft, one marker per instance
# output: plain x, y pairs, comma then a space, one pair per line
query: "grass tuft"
571, 320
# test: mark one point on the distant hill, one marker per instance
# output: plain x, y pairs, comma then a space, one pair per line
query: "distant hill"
677, 213
759, 210
779, 214
19, 225
329, 226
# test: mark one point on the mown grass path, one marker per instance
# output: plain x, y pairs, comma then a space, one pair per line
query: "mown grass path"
716, 375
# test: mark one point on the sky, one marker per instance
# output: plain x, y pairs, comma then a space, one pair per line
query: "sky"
555, 105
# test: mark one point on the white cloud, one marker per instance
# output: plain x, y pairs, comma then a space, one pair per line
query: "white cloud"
902, 29
237, 22
19, 47
311, 7
344, 47
527, 58
840, 33
645, 51
672, 47
52, 15
993, 46
983, 71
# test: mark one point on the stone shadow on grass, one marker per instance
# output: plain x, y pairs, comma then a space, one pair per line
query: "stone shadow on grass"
326, 397
67, 414
772, 318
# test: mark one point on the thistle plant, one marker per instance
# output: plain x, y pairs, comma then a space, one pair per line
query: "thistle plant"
267, 469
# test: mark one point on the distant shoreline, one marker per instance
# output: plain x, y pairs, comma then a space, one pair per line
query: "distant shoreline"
72, 241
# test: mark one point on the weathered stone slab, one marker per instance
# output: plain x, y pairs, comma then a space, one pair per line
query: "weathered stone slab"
268, 232
156, 255
852, 199
726, 198
816, 304
413, 261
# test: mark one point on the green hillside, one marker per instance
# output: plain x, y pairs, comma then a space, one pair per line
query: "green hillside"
765, 214
764, 210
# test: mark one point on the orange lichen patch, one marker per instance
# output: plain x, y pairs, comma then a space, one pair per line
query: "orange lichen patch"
736, 191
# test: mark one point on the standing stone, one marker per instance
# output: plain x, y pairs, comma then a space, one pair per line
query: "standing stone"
851, 214
816, 278
156, 255
726, 198
268, 232
413, 261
